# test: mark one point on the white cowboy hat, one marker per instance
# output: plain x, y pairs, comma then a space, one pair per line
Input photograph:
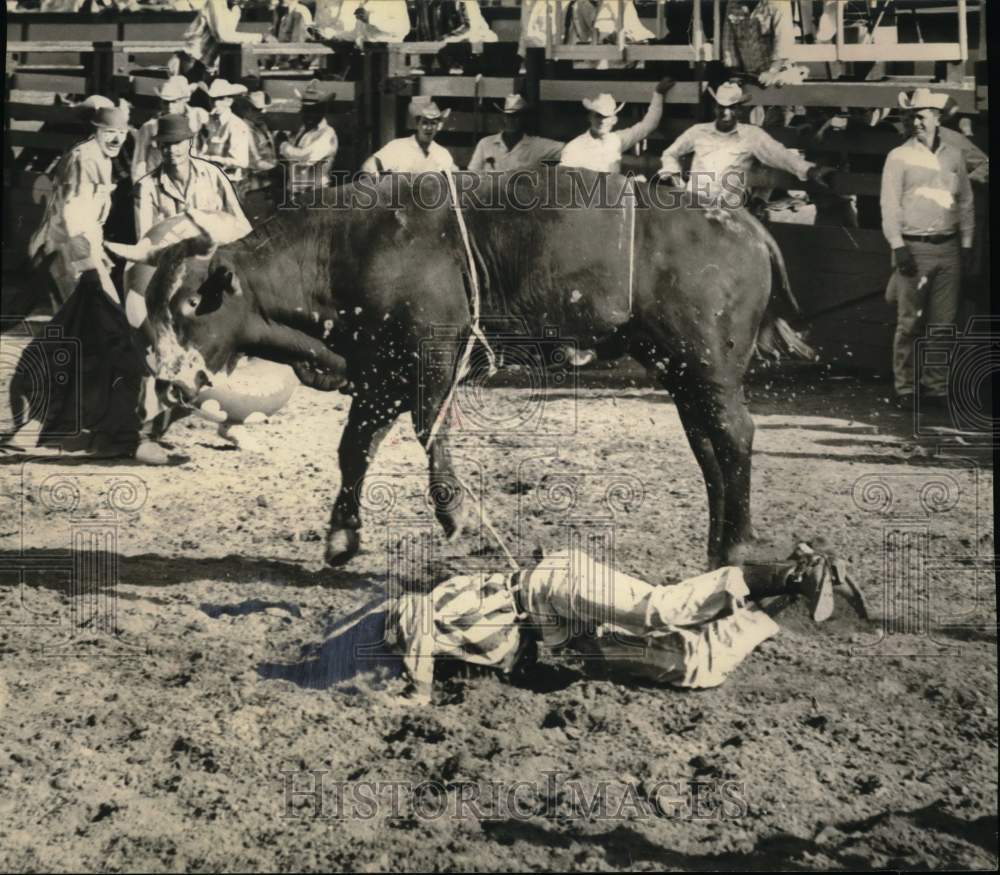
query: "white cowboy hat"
222, 88
603, 104
513, 103
729, 94
423, 106
175, 88
98, 101
923, 98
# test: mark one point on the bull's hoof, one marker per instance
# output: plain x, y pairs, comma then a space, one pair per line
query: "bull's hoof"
341, 546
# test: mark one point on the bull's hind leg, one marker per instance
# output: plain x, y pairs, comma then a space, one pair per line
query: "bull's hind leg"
368, 423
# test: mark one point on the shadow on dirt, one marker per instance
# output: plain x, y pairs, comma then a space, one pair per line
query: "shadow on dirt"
151, 570
842, 845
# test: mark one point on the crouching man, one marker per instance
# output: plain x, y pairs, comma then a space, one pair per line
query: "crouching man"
691, 634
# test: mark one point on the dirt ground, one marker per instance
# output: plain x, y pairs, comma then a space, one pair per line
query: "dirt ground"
189, 740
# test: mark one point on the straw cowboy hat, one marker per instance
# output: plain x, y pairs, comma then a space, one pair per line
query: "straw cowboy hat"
603, 104
513, 103
424, 107
221, 88
729, 94
113, 117
175, 88
173, 128
923, 98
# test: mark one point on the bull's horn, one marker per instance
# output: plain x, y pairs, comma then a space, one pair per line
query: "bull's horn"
141, 252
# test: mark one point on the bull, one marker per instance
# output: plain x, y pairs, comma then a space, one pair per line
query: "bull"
347, 296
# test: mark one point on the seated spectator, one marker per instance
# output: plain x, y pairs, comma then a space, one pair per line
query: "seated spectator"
361, 21
215, 23
294, 23
311, 152
452, 21
596, 21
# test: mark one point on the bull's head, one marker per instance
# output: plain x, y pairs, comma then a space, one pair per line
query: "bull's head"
198, 315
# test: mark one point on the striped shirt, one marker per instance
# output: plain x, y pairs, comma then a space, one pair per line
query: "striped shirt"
926, 193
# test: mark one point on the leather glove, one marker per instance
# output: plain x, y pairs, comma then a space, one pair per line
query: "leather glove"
906, 264
968, 261
664, 85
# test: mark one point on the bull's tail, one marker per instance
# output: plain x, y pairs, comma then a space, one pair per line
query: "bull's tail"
777, 339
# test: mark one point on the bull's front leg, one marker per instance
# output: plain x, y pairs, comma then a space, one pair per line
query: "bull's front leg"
368, 423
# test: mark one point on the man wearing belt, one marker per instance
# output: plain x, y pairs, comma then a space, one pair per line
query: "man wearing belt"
928, 218
512, 148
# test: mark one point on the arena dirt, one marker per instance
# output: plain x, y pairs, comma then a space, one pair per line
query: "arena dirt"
189, 741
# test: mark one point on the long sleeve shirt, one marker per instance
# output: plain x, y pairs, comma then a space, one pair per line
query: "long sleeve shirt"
310, 154
405, 155
926, 193
388, 20
977, 162
216, 23
752, 41
491, 153
147, 154
721, 160
158, 196
227, 141
603, 154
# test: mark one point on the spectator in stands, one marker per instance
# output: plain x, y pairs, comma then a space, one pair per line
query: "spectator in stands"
294, 23
596, 21
360, 21
226, 139
756, 34
417, 153
70, 239
724, 151
601, 147
215, 23
928, 217
451, 21
311, 152
512, 148
182, 181
174, 95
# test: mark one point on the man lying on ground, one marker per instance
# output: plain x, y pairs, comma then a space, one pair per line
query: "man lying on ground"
691, 634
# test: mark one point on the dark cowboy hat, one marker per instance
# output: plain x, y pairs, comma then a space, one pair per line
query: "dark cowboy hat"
173, 128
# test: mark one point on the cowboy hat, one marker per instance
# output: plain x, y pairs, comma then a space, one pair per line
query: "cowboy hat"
423, 106
222, 88
113, 117
923, 98
173, 128
603, 104
97, 101
174, 88
729, 94
313, 94
513, 103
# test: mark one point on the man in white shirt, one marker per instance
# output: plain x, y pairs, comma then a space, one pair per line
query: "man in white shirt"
174, 96
215, 23
226, 140
419, 153
601, 147
512, 148
724, 151
928, 218
310, 153
384, 21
